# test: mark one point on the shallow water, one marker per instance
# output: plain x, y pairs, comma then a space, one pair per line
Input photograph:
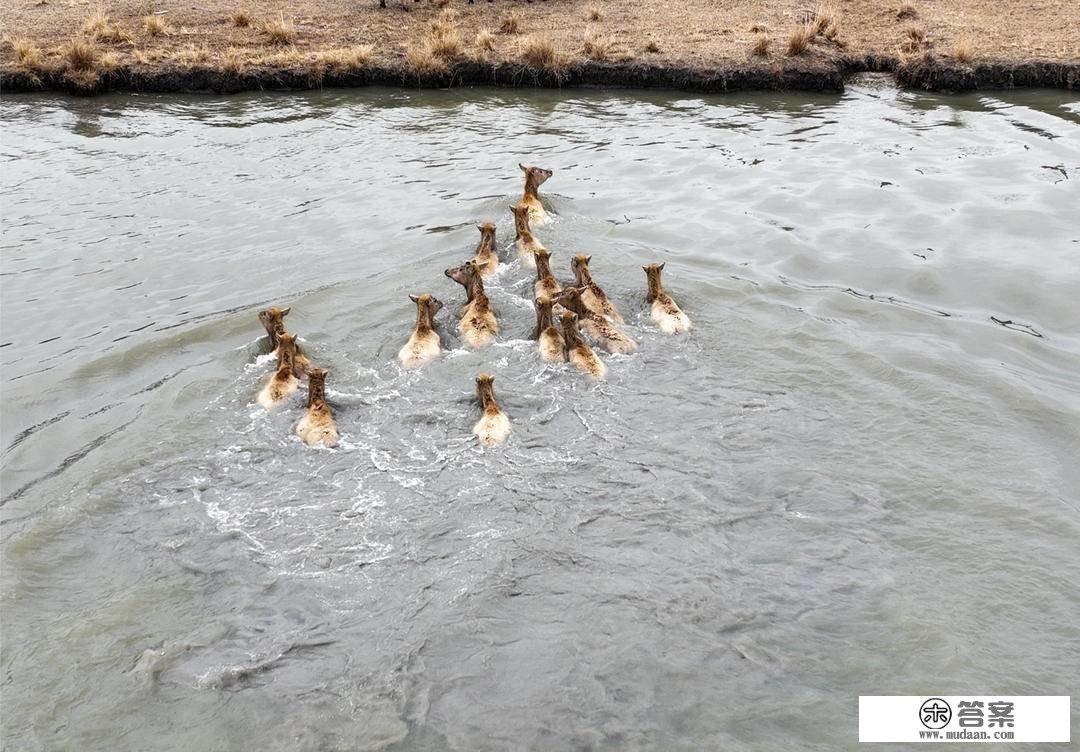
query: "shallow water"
856, 476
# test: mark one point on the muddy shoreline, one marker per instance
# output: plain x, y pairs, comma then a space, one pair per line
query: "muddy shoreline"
928, 74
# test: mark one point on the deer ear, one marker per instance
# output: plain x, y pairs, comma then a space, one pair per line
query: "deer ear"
524, 168
661, 265
414, 298
588, 259
645, 269
285, 311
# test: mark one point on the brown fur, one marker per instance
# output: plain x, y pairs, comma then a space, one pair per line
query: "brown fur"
577, 352
524, 241
485, 256
530, 199
424, 344
545, 284
273, 320
596, 300
549, 341
317, 426
283, 381
663, 310
596, 326
493, 426
478, 325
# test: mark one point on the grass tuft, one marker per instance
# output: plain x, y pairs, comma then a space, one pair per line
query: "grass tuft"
485, 40
27, 55
906, 12
80, 55
509, 23
539, 52
280, 32
233, 61
597, 47
963, 51
800, 39
421, 59
595, 14
915, 41
100, 29
154, 25
760, 47
240, 19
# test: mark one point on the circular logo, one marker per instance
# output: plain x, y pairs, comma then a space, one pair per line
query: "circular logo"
935, 713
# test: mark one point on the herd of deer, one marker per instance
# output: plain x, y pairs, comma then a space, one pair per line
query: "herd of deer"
580, 307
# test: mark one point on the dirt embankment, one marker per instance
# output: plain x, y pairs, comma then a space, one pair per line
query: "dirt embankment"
703, 45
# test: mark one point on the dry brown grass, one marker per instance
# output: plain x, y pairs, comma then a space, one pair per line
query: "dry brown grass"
233, 61
652, 47
485, 40
241, 19
759, 29
441, 3
915, 41
760, 47
597, 46
195, 56
963, 51
509, 23
538, 51
80, 54
595, 14
800, 39
155, 26
27, 55
421, 59
345, 59
101, 29
906, 12
280, 32
443, 40
108, 61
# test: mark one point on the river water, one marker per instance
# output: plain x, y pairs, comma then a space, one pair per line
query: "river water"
857, 475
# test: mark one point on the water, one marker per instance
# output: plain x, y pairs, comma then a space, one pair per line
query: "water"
857, 476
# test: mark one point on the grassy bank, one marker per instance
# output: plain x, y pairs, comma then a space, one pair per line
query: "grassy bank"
707, 45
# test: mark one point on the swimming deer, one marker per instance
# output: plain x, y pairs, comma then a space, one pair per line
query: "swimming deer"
534, 178
545, 284
478, 326
596, 300
424, 344
317, 426
664, 311
273, 320
283, 381
526, 243
549, 341
577, 352
485, 252
595, 325
493, 427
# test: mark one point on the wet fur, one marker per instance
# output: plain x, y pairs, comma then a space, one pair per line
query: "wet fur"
273, 320
525, 242
317, 427
664, 311
478, 325
606, 334
549, 341
595, 299
493, 427
530, 198
546, 285
576, 352
486, 257
282, 381
424, 344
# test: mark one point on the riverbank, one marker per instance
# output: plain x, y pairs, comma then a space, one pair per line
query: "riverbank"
701, 45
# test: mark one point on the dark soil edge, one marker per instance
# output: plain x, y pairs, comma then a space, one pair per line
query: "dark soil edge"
827, 75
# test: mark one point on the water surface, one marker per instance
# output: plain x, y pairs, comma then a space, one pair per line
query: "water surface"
856, 476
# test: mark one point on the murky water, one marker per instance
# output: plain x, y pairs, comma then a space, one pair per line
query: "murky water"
858, 475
